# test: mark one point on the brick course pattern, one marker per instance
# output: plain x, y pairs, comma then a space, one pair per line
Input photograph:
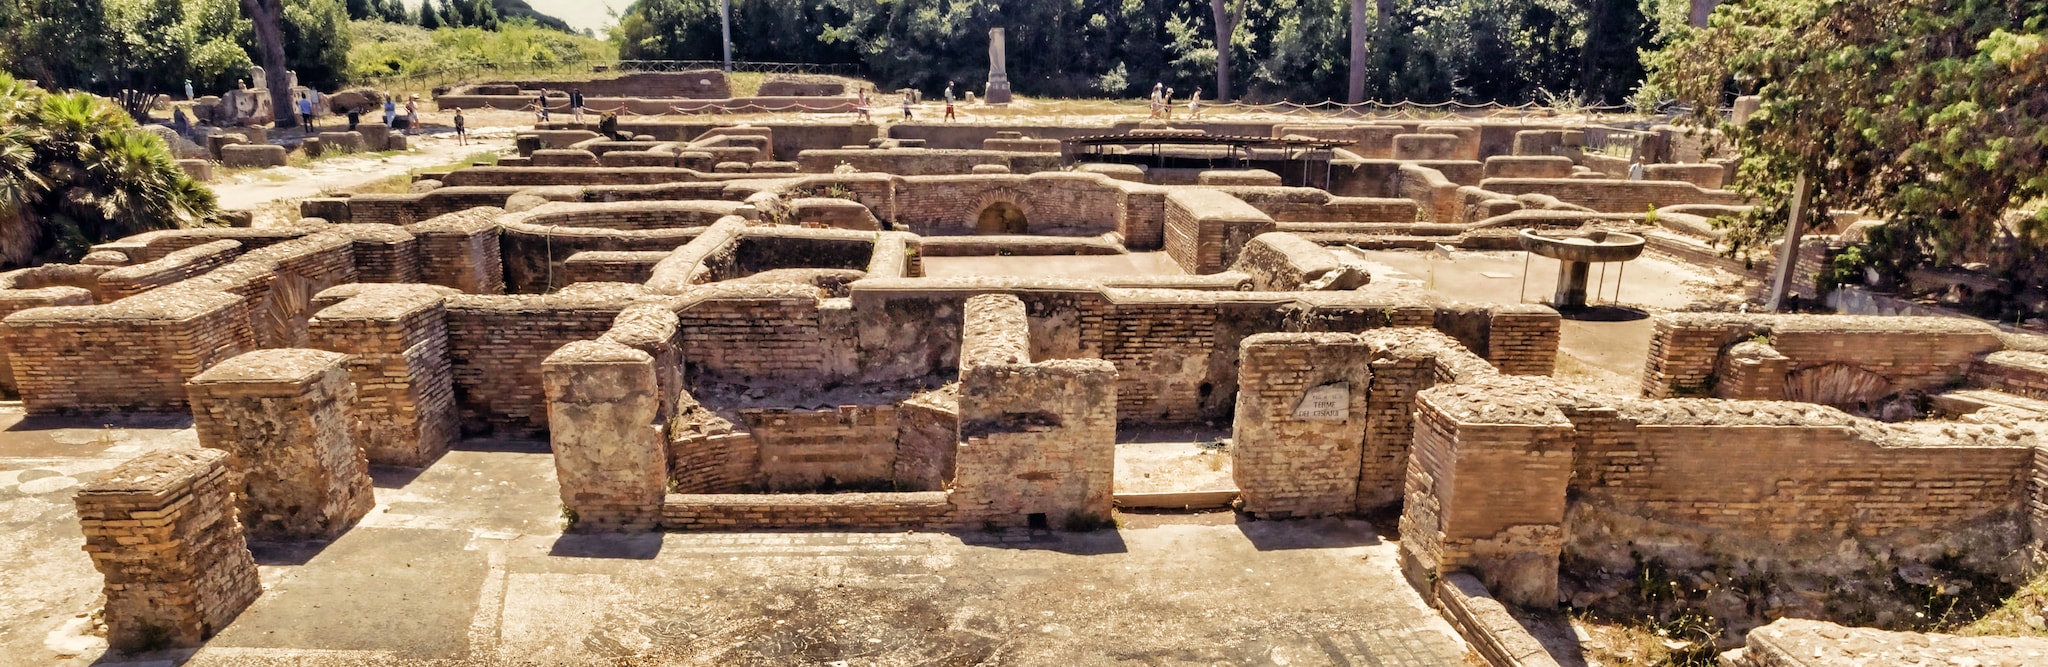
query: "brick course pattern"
916, 509
405, 395
162, 530
1925, 353
1205, 230
495, 348
286, 417
131, 355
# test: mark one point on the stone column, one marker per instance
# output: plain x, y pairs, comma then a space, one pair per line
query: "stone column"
162, 529
998, 90
604, 408
286, 418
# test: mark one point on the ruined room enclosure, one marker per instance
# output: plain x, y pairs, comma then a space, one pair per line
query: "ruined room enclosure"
757, 343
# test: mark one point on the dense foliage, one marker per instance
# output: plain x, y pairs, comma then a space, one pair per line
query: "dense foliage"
75, 171
1422, 50
1931, 113
106, 45
386, 51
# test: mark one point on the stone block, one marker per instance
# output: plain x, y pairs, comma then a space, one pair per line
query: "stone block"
252, 155
286, 418
199, 170
604, 426
343, 142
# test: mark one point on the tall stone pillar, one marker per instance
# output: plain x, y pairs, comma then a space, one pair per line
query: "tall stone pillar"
162, 529
286, 418
998, 91
604, 424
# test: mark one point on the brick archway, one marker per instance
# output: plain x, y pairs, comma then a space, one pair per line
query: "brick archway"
1000, 211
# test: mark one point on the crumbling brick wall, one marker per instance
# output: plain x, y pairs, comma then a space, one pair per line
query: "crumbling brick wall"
286, 418
604, 401
495, 348
1924, 353
1205, 229
460, 250
161, 528
131, 355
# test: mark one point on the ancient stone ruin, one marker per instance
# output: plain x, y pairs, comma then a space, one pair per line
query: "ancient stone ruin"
720, 327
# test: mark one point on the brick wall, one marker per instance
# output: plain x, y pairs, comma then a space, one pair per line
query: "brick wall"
495, 348
1287, 464
1437, 198
923, 161
612, 266
1037, 439
405, 393
161, 528
852, 445
535, 257
927, 437
135, 279
383, 253
406, 209
713, 462
1205, 229
277, 283
461, 250
1054, 204
132, 355
738, 333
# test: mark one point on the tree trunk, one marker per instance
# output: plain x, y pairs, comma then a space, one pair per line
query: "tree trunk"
1225, 24
267, 17
1356, 91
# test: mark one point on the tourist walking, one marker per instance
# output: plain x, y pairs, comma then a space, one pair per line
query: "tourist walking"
860, 107
1166, 105
906, 106
1635, 170
412, 115
306, 113
390, 110
1157, 90
188, 90
355, 115
541, 106
461, 130
576, 104
1195, 105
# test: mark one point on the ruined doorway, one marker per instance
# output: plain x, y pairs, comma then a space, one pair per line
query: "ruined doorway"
1000, 218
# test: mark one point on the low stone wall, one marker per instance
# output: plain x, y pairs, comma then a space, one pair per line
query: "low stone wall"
1615, 196
1437, 198
161, 528
1836, 359
286, 419
873, 511
1486, 624
2014, 372
1280, 262
1427, 147
1795, 642
1529, 166
1205, 230
612, 266
496, 345
923, 161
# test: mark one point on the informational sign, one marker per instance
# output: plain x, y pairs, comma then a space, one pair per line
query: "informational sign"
1330, 402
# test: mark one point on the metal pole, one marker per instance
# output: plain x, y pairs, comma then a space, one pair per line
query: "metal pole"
1617, 280
1523, 296
725, 28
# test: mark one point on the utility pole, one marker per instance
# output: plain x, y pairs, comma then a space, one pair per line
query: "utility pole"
1781, 279
725, 28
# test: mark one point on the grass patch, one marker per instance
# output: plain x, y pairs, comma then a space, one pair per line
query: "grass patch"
2017, 616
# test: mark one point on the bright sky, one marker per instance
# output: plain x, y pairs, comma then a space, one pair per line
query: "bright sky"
592, 14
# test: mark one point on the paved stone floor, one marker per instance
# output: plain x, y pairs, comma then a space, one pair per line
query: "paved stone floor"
463, 563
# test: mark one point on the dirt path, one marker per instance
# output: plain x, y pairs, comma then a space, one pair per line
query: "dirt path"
258, 188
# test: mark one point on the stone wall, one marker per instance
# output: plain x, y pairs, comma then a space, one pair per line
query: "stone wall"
1053, 204
800, 449
1795, 642
1038, 439
161, 528
397, 337
603, 399
177, 266
286, 418
1295, 443
1835, 359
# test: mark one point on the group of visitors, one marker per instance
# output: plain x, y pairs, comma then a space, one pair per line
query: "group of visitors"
863, 106
1162, 102
310, 102
540, 105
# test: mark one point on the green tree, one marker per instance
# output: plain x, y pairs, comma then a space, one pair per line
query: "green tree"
318, 38
430, 18
75, 171
1930, 113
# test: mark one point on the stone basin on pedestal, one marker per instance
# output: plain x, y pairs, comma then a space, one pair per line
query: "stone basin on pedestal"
1575, 251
